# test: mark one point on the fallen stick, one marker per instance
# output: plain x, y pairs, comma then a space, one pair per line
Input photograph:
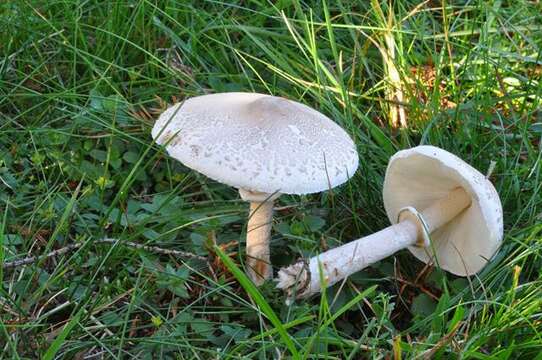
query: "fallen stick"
68, 248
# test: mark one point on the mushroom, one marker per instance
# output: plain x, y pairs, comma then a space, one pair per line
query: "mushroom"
262, 145
443, 210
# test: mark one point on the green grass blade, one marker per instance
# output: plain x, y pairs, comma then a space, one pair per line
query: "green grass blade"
258, 298
59, 340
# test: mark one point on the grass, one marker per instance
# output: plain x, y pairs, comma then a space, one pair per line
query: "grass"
81, 83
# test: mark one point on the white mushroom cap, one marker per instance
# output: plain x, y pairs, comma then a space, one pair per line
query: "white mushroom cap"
258, 142
418, 177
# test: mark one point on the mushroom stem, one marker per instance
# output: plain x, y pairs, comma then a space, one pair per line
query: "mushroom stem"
304, 278
258, 236
442, 211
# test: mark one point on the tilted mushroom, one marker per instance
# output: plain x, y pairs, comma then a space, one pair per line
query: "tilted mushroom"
443, 210
262, 145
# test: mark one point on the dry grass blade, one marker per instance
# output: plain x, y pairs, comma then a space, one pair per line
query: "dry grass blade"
388, 50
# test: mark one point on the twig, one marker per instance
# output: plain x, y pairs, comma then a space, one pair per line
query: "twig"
33, 259
72, 247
